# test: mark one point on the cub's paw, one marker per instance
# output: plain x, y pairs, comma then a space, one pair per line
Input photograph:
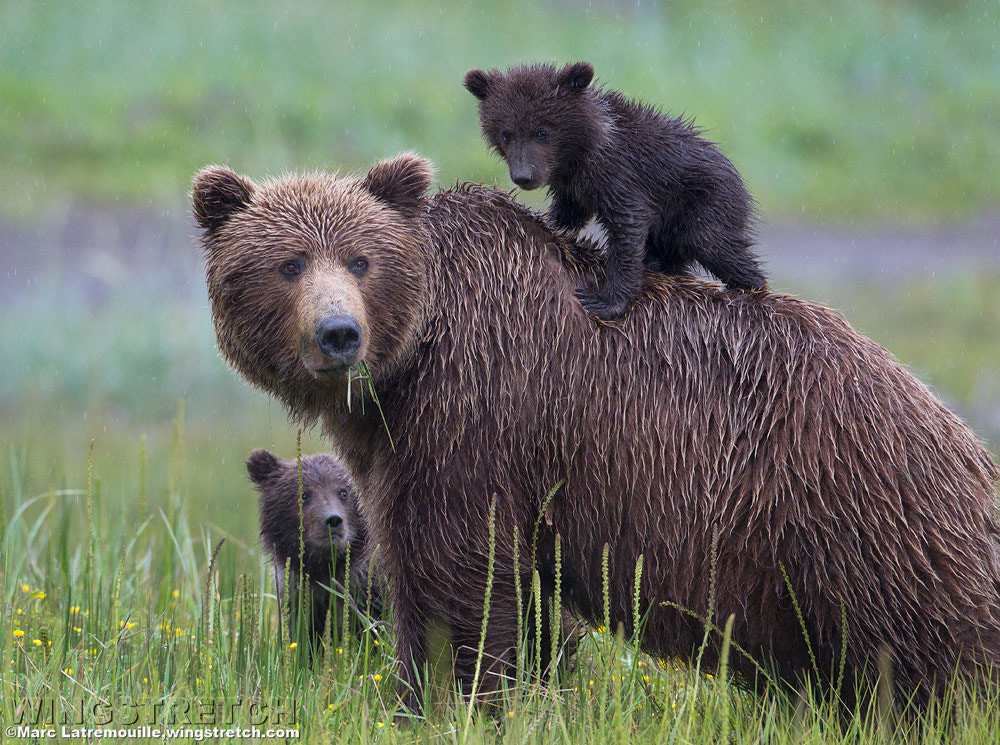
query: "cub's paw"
606, 309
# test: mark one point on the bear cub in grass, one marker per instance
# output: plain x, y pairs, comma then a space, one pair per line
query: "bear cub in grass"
330, 523
666, 196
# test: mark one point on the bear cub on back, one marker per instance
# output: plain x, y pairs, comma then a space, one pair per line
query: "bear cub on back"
330, 522
666, 196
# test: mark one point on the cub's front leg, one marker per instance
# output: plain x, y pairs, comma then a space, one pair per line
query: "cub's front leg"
567, 213
623, 270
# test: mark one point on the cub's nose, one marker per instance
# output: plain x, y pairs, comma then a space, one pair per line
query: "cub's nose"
334, 521
521, 178
339, 337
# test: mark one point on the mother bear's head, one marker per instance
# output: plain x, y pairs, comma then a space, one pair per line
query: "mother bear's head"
317, 275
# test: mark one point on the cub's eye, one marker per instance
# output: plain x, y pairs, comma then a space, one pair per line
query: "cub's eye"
358, 266
292, 268
343, 495
306, 496
541, 133
505, 136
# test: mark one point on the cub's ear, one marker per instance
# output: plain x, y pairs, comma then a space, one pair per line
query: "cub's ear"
218, 194
575, 76
479, 82
400, 182
261, 465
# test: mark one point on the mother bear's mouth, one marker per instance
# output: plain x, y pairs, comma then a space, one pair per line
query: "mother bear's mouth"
331, 371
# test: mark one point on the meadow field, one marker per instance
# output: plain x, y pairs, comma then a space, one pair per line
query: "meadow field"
123, 435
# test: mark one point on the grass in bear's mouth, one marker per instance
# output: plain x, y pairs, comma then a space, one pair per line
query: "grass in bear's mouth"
362, 374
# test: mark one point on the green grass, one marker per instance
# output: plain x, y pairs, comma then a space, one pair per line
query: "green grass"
113, 601
850, 112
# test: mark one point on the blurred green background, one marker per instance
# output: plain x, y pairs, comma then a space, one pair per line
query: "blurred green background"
868, 131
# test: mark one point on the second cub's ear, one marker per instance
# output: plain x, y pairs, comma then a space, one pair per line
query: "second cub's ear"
479, 82
401, 182
217, 194
575, 76
261, 465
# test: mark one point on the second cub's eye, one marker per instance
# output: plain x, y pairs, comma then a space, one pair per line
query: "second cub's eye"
358, 266
292, 268
343, 494
306, 496
541, 133
505, 136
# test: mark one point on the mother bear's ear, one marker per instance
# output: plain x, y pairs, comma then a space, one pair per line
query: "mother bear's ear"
400, 182
217, 194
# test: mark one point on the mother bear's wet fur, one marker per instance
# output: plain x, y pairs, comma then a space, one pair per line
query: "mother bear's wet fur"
753, 421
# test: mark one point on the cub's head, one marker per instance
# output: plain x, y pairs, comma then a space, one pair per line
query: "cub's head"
311, 275
329, 505
536, 117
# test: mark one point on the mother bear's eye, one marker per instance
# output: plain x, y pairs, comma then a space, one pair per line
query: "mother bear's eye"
343, 494
306, 496
358, 266
292, 268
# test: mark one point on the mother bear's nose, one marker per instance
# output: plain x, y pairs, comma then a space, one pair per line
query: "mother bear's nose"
338, 337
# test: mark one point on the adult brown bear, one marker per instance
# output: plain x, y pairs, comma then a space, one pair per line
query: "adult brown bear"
755, 421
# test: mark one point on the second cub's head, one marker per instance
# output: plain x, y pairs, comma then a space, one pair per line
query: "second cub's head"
329, 506
537, 117
311, 275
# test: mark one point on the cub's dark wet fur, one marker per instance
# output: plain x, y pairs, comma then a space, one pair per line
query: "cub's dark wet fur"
330, 522
666, 196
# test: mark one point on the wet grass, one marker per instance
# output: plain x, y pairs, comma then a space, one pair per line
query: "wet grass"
118, 602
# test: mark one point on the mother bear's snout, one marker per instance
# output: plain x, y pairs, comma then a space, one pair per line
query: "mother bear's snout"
339, 338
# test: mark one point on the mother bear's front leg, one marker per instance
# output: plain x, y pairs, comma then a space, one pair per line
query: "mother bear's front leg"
451, 572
